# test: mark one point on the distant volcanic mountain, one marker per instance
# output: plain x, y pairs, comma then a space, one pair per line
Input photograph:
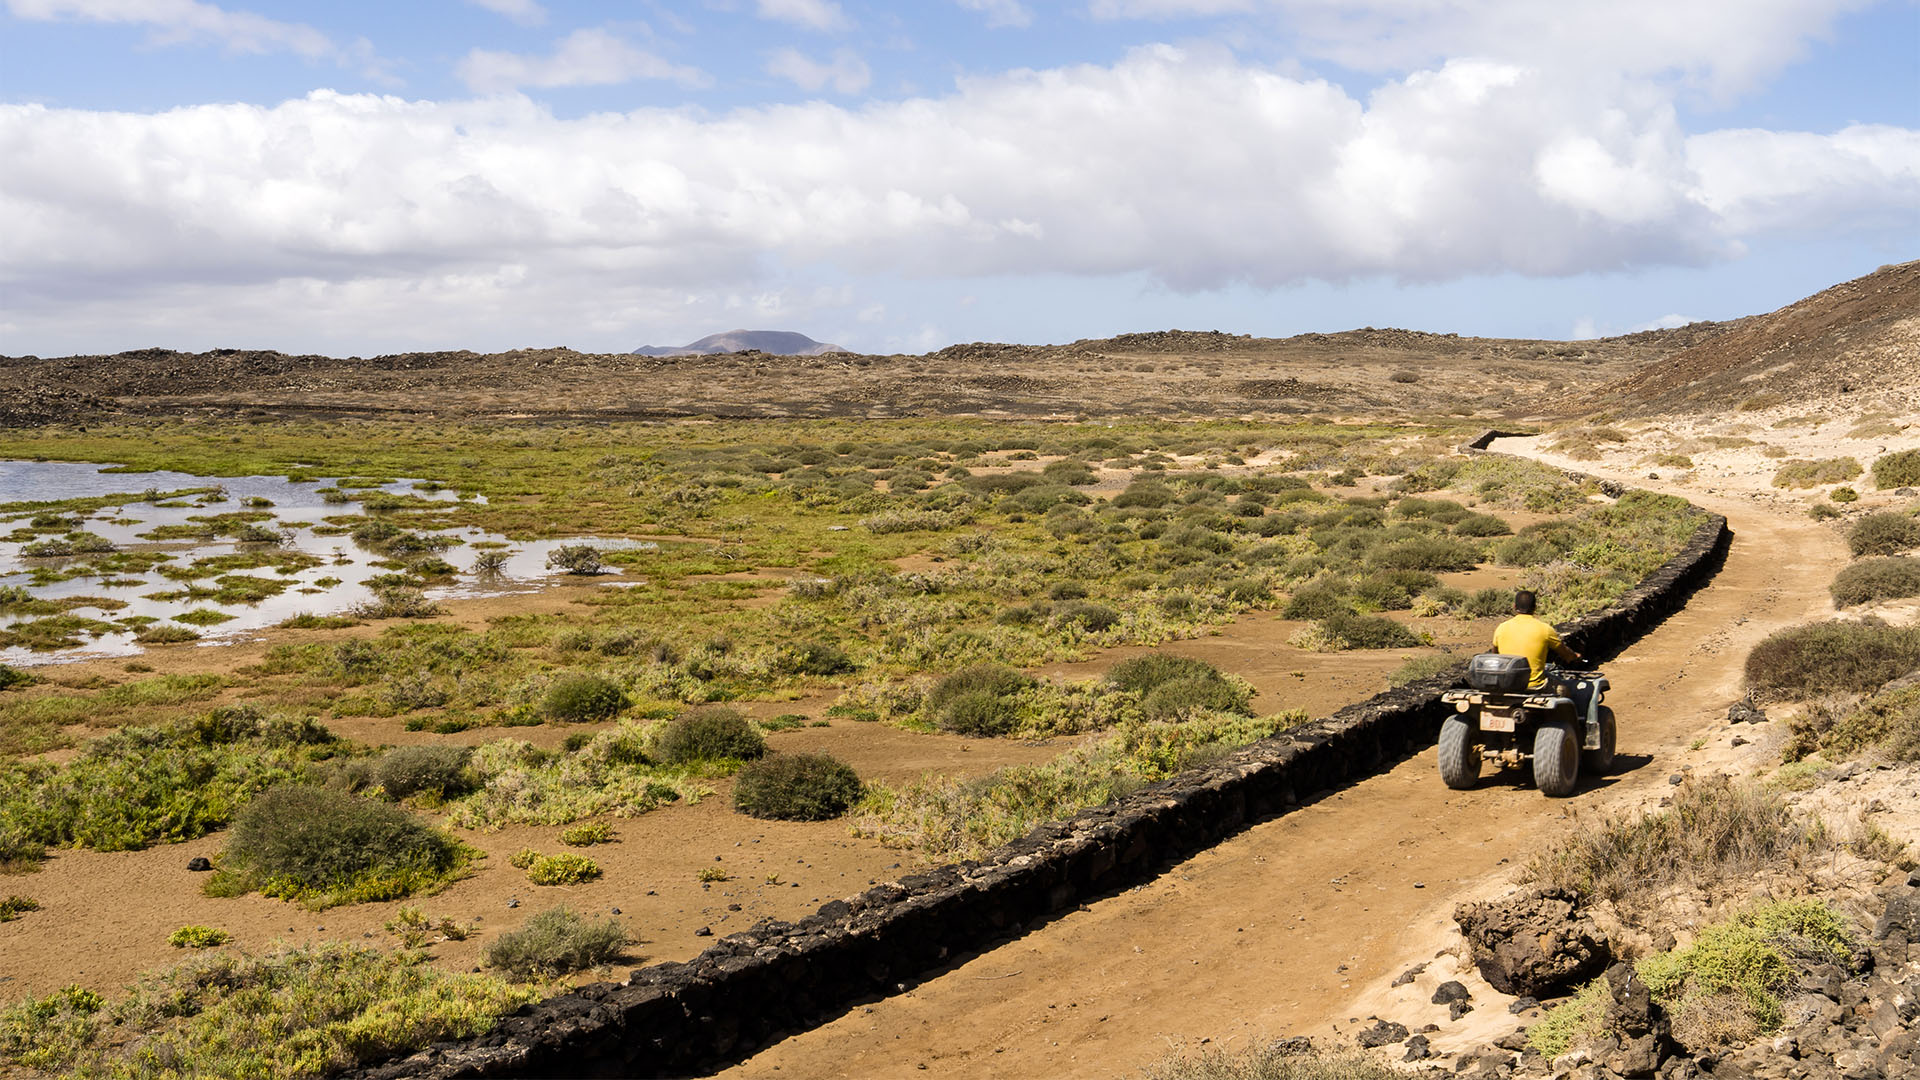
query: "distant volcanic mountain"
772, 342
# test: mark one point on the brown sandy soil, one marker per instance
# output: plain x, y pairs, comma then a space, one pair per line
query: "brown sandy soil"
1283, 929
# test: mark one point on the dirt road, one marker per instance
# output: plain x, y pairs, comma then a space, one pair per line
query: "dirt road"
1280, 930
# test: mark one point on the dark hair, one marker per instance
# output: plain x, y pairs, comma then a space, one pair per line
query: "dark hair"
1523, 601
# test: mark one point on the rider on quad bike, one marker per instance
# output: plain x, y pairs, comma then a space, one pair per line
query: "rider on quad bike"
1516, 709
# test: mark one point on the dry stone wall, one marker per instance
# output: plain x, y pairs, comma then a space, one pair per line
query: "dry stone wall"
755, 986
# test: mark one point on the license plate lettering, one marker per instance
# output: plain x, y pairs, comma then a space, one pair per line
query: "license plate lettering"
1492, 719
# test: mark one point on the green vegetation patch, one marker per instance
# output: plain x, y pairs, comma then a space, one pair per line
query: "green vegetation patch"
562, 868
325, 847
796, 787
198, 937
1806, 474
1883, 533
1888, 722
146, 785
1873, 579
712, 733
295, 1012
1897, 470
555, 942
615, 772
1832, 657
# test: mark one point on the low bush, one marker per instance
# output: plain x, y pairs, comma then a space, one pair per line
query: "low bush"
1806, 474
562, 868
1435, 553
796, 787
1724, 986
325, 847
1344, 631
1142, 674
1278, 1061
1876, 578
587, 834
397, 603
1178, 700
582, 559
165, 634
1489, 603
1713, 836
14, 906
1884, 533
198, 937
1093, 616
710, 733
439, 771
583, 699
1417, 668
1830, 657
1897, 470
1316, 602
1888, 721
1843, 494
1480, 525
555, 942
11, 677
818, 658
228, 1014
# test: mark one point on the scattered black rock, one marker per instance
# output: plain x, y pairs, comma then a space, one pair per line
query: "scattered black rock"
1537, 944
1418, 1049
199, 863
1449, 992
1381, 1033
705, 931
1522, 1004
1458, 1009
1409, 975
1745, 711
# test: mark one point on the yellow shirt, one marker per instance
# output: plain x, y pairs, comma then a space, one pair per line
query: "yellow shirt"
1524, 635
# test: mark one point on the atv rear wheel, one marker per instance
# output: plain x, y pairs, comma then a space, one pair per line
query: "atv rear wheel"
1459, 754
1556, 758
1600, 760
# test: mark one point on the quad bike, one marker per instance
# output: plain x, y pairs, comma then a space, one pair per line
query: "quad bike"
1498, 718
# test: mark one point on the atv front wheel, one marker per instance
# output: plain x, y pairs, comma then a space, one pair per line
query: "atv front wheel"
1556, 758
1598, 761
1459, 755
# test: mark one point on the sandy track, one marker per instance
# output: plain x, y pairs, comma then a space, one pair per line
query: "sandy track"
1279, 930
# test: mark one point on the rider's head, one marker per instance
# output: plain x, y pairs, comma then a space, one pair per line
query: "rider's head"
1523, 602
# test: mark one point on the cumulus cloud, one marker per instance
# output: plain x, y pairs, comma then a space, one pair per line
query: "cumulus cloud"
524, 12
583, 58
1725, 46
845, 72
812, 14
1001, 12
1190, 168
181, 21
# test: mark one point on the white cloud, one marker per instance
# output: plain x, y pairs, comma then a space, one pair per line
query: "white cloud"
1001, 12
583, 58
1725, 46
524, 12
1188, 168
812, 14
846, 72
180, 21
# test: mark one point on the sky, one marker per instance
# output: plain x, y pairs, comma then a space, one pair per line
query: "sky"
359, 178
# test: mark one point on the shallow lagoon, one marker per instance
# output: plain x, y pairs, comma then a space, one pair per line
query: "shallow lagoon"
323, 570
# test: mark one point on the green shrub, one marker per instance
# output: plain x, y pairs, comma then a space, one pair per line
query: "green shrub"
586, 834
1489, 603
1822, 512
1178, 700
1725, 985
796, 787
1897, 470
583, 698
1417, 668
1889, 720
440, 771
1481, 525
1843, 494
1884, 533
1142, 674
1368, 632
328, 847
1822, 658
11, 677
575, 559
977, 713
1806, 474
562, 868
1316, 602
818, 658
1436, 553
14, 906
198, 937
710, 733
555, 942
1876, 578
1095, 617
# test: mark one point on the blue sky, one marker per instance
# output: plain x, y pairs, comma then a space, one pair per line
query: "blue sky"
359, 178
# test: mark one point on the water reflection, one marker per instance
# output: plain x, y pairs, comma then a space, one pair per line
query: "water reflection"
324, 571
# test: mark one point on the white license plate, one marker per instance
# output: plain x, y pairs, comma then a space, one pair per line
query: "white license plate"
1492, 719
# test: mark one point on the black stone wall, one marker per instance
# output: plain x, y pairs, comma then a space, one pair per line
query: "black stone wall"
776, 978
